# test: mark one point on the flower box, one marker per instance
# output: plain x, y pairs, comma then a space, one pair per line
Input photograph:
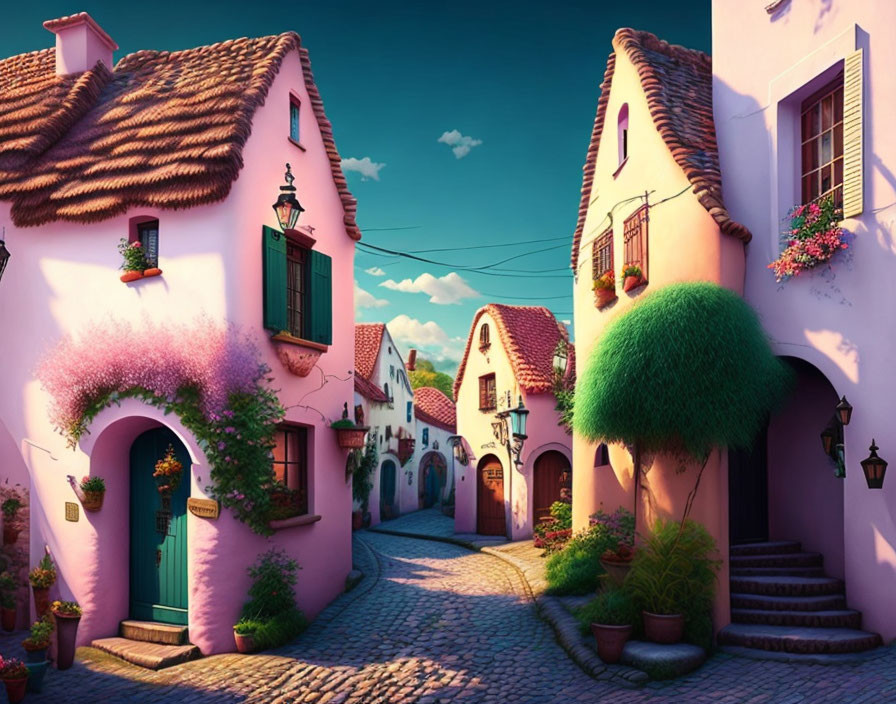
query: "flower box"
604, 297
351, 438
632, 282
298, 356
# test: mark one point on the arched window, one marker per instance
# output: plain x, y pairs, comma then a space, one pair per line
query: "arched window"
484, 336
622, 133
601, 456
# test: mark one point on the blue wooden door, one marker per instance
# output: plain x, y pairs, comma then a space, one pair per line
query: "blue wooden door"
158, 533
432, 483
387, 490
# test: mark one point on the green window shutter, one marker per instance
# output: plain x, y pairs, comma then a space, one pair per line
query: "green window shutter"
852, 135
274, 262
319, 302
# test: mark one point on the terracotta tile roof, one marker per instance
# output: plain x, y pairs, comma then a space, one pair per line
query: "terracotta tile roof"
368, 389
368, 338
164, 129
678, 85
530, 335
433, 407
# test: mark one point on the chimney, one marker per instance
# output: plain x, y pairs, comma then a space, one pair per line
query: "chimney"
80, 43
412, 361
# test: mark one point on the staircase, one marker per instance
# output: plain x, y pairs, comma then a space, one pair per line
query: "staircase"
150, 645
781, 600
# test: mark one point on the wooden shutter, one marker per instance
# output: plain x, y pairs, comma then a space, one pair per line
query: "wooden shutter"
852, 136
319, 306
482, 393
274, 262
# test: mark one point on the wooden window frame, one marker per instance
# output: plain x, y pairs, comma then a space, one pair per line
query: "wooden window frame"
813, 166
602, 254
484, 337
295, 472
296, 259
635, 240
295, 105
488, 393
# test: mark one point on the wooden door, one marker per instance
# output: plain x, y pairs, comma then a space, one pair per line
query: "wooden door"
748, 492
490, 497
158, 561
387, 490
552, 474
432, 480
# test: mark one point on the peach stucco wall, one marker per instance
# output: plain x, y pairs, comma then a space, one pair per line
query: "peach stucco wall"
475, 426
684, 245
833, 318
63, 276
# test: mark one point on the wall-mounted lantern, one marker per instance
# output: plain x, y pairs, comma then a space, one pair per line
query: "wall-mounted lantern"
844, 411
4, 257
827, 440
874, 468
287, 206
561, 358
517, 431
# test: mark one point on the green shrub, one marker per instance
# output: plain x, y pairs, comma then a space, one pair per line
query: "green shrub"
613, 607
280, 630
247, 625
271, 593
576, 568
11, 507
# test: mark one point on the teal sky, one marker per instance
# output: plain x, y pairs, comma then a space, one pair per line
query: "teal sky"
519, 79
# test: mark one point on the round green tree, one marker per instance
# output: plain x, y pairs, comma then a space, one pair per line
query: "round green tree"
688, 368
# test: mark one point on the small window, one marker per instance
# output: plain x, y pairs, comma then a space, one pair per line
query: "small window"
602, 255
294, 118
484, 337
290, 464
636, 240
296, 259
425, 437
148, 236
822, 144
488, 397
388, 432
386, 391
391, 371
623, 133
601, 456
410, 410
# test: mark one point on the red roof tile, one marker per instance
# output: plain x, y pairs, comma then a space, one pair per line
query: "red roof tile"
433, 407
678, 85
530, 335
368, 338
164, 129
368, 389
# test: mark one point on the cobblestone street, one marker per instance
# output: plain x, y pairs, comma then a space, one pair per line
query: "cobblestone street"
433, 622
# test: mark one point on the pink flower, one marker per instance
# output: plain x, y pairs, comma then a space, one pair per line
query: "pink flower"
136, 243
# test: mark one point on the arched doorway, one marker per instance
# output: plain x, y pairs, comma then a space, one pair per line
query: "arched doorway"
431, 479
490, 497
158, 551
552, 474
387, 490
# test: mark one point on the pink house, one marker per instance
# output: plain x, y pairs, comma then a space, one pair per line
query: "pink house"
510, 358
184, 153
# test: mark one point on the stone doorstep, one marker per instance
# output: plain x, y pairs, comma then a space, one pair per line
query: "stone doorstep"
770, 547
153, 632
834, 618
791, 559
153, 656
797, 639
787, 586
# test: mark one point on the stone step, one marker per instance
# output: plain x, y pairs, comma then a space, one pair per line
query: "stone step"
154, 632
794, 639
842, 618
781, 571
786, 586
789, 559
767, 602
767, 548
153, 656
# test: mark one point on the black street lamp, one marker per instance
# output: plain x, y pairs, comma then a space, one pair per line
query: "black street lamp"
874, 468
844, 411
287, 206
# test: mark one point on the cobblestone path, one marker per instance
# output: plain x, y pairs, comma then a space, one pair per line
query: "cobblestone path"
434, 622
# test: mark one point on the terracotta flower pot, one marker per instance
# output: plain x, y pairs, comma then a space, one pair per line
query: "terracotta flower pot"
245, 642
351, 438
129, 276
15, 689
36, 673
41, 600
33, 654
10, 534
66, 633
152, 271
610, 641
617, 570
357, 520
8, 619
631, 282
663, 628
93, 500
604, 297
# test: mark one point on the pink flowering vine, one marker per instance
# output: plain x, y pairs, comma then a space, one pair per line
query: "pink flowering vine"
813, 238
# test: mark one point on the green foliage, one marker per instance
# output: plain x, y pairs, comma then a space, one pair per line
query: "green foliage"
247, 625
425, 374
613, 607
271, 593
40, 632
10, 508
362, 477
133, 256
674, 572
342, 423
44, 575
7, 590
93, 483
561, 512
631, 270
280, 629
688, 368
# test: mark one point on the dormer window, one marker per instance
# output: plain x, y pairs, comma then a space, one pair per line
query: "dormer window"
294, 105
484, 337
622, 133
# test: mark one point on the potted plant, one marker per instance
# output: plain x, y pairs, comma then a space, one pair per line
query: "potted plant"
632, 277
244, 634
94, 489
38, 640
168, 473
605, 289
11, 525
673, 578
357, 519
8, 601
42, 578
134, 260
617, 562
36, 673
348, 435
67, 615
15, 676
612, 616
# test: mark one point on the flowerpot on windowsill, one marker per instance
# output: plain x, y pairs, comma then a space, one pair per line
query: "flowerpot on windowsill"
632, 282
351, 438
152, 271
129, 276
663, 628
604, 297
93, 500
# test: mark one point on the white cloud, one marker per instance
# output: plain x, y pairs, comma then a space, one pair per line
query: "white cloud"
459, 144
375, 271
566, 322
365, 167
365, 299
443, 290
433, 342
